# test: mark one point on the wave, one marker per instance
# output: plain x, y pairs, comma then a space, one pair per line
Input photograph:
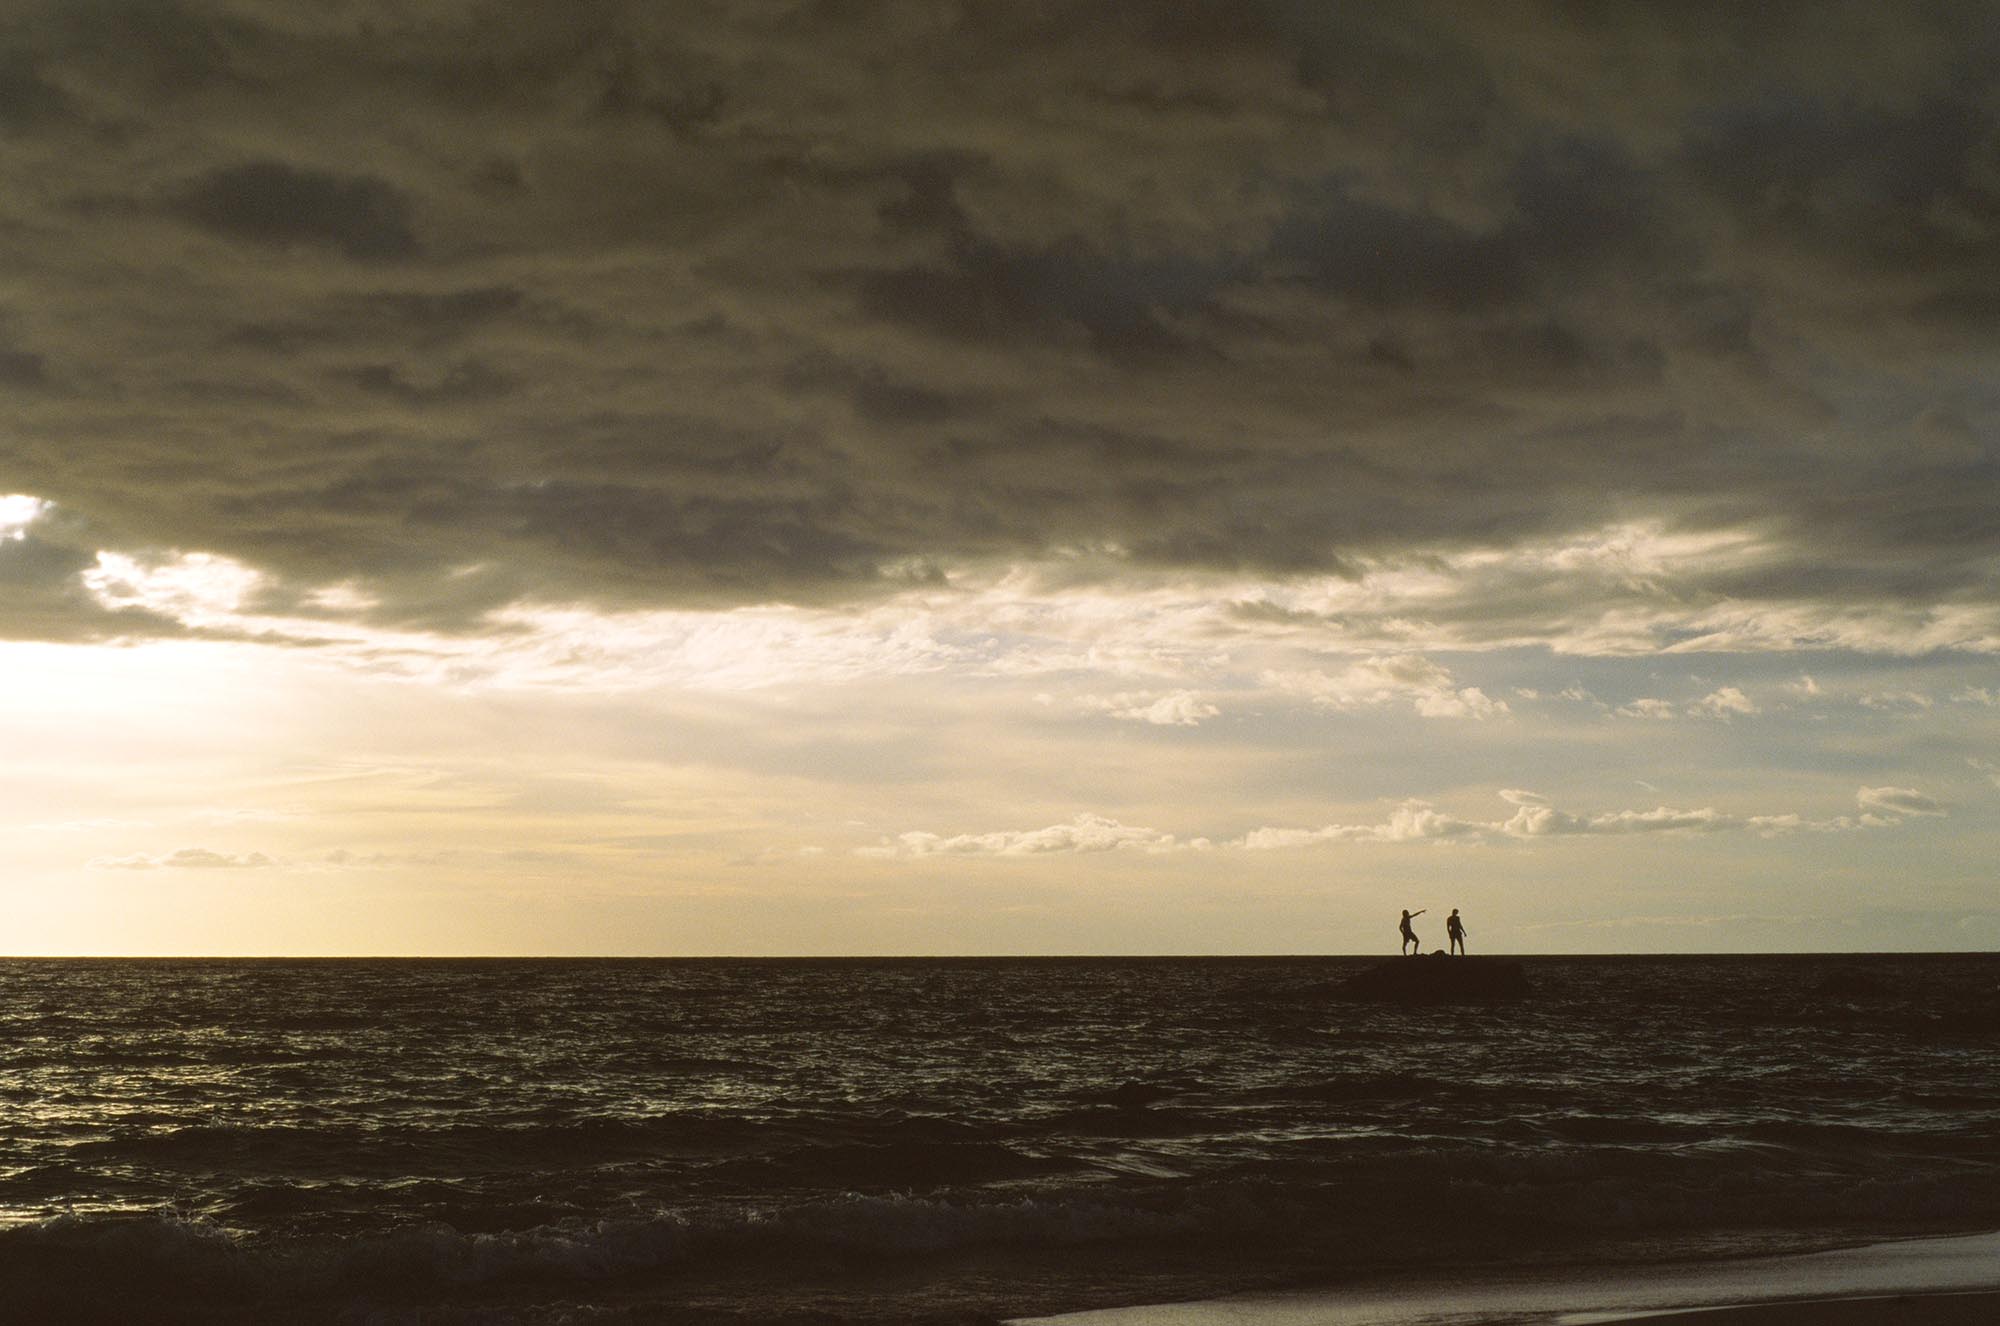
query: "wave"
103, 1267
913, 1164
1435, 1202
1088, 1118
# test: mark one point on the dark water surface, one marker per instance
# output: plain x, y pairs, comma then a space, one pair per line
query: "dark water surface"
945, 1140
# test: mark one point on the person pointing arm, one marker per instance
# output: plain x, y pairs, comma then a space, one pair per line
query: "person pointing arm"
1410, 942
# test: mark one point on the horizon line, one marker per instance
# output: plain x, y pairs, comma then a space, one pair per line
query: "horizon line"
962, 957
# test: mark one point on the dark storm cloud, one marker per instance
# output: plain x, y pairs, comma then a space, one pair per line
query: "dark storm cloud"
43, 597
468, 380
270, 202
636, 304
25, 99
21, 368
1895, 187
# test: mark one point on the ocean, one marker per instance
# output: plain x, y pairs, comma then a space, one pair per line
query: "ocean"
947, 1140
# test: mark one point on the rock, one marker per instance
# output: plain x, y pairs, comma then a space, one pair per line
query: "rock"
1438, 979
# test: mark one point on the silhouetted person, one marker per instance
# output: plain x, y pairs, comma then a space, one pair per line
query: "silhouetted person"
1454, 930
1410, 944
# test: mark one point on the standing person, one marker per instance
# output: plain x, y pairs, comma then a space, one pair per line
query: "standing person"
1410, 944
1454, 929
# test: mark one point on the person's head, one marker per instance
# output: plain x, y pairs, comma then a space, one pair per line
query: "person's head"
1406, 913
1454, 911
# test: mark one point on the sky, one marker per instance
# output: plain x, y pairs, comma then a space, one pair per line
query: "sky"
792, 477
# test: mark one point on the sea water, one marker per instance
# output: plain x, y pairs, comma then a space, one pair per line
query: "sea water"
947, 1140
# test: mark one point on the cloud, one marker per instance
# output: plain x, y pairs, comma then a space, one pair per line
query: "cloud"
46, 559
530, 308
1427, 687
1086, 833
1175, 709
1411, 822
1543, 821
1724, 702
342, 858
1897, 801
1417, 821
1535, 819
271, 202
17, 512
1897, 701
187, 858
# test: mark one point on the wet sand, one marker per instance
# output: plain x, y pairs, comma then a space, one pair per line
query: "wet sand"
1928, 1282
1959, 1309
1975, 1309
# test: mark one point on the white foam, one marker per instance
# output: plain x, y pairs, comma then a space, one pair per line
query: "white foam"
1584, 1297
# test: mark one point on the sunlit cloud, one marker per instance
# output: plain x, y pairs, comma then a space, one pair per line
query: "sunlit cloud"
1341, 643
1175, 709
1723, 702
1898, 801
1086, 833
1544, 821
187, 858
1411, 822
17, 512
1427, 687
198, 589
1897, 701
1534, 818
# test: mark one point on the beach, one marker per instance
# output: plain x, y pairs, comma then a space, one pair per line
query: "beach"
1939, 1281
1968, 1309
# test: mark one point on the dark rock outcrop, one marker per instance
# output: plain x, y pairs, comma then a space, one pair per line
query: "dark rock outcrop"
1438, 979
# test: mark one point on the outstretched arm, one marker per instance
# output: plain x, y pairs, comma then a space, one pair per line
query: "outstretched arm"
1419, 912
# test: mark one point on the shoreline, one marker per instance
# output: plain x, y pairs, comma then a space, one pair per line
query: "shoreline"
1951, 1280
1950, 1307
